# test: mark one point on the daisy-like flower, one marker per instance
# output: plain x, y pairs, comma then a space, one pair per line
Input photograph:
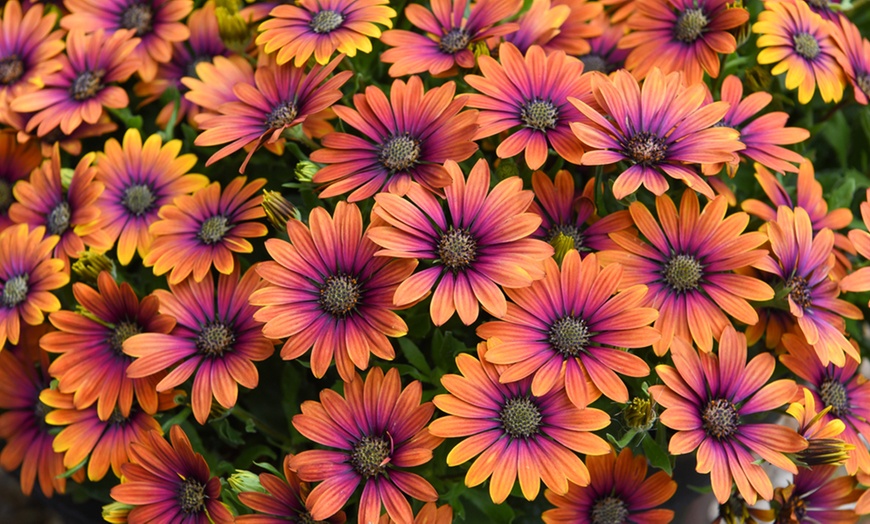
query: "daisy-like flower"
531, 93
285, 500
618, 492
213, 84
484, 243
103, 443
449, 35
708, 397
71, 214
28, 275
687, 261
197, 232
856, 51
407, 138
569, 325
604, 54
157, 24
320, 27
216, 337
859, 280
517, 434
77, 93
136, 188
578, 29
799, 42
170, 483
825, 445
660, 129
430, 513
815, 495
539, 24
377, 429
91, 364
282, 97
330, 293
16, 163
842, 388
681, 35
803, 261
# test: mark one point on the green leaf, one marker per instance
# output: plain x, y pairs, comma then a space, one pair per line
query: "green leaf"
70, 472
176, 419
228, 433
414, 355
657, 456
842, 195
127, 117
270, 468
624, 441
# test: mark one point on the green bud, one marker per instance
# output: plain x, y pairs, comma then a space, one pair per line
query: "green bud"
830, 451
233, 29
243, 481
278, 209
562, 243
66, 175
116, 513
305, 171
639, 413
90, 264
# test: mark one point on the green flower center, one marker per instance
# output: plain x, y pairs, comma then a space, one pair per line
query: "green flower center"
282, 116
520, 417
569, 336
326, 21
609, 510
11, 69
123, 330
683, 273
595, 62
454, 41
138, 199
690, 24
539, 114
800, 292
806, 45
646, 148
214, 229
5, 196
58, 219
15, 290
834, 394
569, 230
457, 249
138, 17
339, 295
87, 85
720, 418
400, 152
191, 496
215, 339
369, 456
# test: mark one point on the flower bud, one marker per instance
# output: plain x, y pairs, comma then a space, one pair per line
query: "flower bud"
90, 264
278, 209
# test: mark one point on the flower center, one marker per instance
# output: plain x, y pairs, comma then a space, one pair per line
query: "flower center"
11, 69
137, 16
116, 418
87, 85
191, 496
800, 292
370, 456
339, 295
5, 196
58, 219
123, 331
15, 290
690, 25
720, 418
457, 249
520, 417
863, 82
806, 45
834, 394
215, 339
569, 336
646, 148
594, 62
326, 21
683, 272
190, 70
569, 230
539, 114
138, 199
282, 116
400, 152
213, 229
454, 41
609, 510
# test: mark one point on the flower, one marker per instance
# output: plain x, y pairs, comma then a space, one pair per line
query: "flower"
855, 59
688, 263
618, 492
216, 337
578, 30
708, 397
135, 190
409, 137
580, 328
284, 501
822, 433
430, 513
816, 496
213, 84
91, 364
449, 35
660, 128
603, 54
202, 230
329, 292
16, 163
484, 244
539, 24
320, 27
282, 97
81, 88
800, 42
532, 93
681, 35
157, 24
517, 434
169, 483
859, 280
28, 275
377, 429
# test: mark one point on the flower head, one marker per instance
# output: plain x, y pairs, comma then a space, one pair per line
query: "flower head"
430, 513
603, 54
16, 163
576, 33
859, 280
855, 57
815, 495
539, 24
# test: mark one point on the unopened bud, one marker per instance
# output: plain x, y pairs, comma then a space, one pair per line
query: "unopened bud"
639, 413
278, 209
305, 171
243, 481
562, 244
116, 513
758, 79
90, 264
233, 29
506, 168
232, 6
743, 31
480, 49
66, 176
830, 451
